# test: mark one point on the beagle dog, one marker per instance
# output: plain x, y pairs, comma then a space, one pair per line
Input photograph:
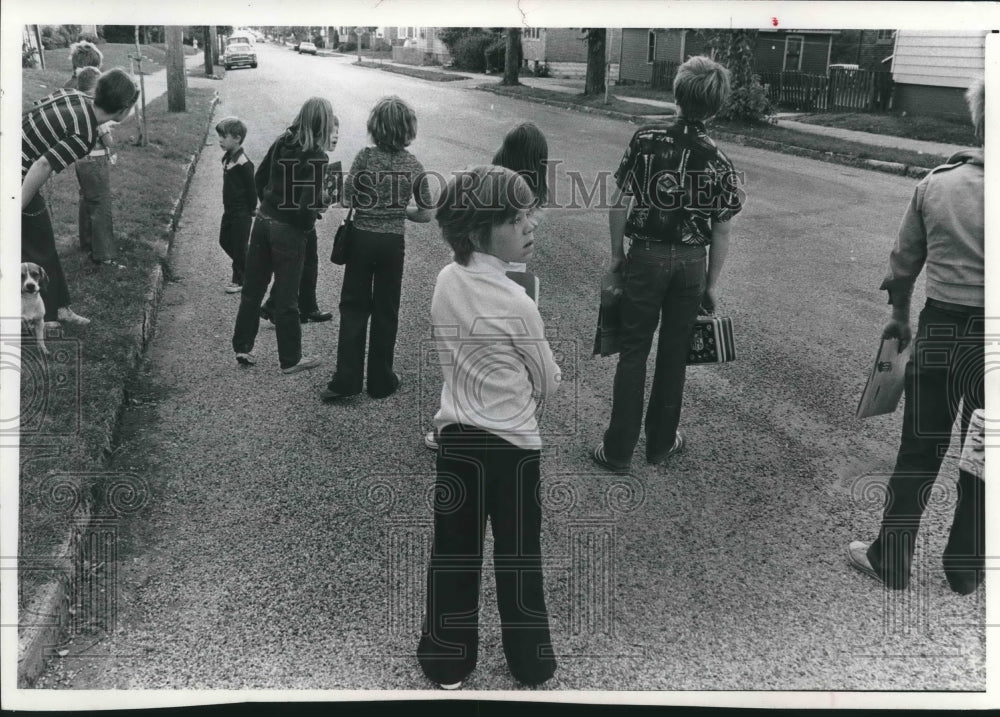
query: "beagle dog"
33, 280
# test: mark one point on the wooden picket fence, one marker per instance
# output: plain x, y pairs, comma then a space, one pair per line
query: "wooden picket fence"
843, 89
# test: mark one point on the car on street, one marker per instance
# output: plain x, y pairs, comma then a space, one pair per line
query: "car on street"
239, 54
305, 46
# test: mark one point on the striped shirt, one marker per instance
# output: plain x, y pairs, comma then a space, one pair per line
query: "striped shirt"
62, 128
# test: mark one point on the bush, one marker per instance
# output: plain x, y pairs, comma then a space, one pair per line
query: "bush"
119, 33
59, 35
748, 104
347, 47
29, 56
470, 52
541, 69
319, 42
90, 37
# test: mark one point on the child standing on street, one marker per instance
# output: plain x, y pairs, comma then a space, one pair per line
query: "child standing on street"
289, 185
387, 187
497, 366
239, 197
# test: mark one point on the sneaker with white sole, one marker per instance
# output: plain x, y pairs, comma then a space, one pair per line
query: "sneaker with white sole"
450, 685
234, 288
245, 359
304, 364
66, 315
431, 440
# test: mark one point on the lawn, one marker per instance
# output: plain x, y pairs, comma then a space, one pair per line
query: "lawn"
804, 140
70, 403
432, 75
930, 129
580, 100
116, 54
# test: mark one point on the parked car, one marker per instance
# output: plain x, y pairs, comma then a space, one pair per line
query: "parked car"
306, 46
239, 54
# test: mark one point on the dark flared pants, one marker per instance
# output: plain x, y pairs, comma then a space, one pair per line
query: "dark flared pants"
373, 280
480, 476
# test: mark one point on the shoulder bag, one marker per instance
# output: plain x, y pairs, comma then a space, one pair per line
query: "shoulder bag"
342, 239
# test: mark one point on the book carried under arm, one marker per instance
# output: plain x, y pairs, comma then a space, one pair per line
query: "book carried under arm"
885, 383
527, 280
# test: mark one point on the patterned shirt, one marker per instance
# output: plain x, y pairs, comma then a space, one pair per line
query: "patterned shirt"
380, 185
62, 128
681, 183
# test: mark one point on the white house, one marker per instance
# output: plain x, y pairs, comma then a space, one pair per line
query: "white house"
932, 70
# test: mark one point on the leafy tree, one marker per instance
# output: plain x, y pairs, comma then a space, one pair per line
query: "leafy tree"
748, 102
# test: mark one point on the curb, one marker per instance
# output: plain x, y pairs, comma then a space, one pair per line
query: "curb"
43, 622
873, 164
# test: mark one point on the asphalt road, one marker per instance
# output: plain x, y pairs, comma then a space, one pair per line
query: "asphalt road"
286, 540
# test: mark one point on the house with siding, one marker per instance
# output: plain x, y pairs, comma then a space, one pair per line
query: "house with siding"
564, 50
419, 46
806, 51
932, 70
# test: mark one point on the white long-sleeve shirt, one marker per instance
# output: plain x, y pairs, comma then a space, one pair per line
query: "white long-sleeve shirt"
491, 345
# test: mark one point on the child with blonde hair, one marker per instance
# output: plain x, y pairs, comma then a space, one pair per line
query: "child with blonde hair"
289, 185
386, 186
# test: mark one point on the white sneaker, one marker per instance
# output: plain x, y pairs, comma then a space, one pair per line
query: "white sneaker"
234, 288
431, 440
66, 315
450, 686
305, 363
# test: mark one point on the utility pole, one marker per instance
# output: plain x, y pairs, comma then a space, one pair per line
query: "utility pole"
358, 31
176, 79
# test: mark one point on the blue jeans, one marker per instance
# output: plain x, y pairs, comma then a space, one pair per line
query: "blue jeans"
947, 366
278, 249
97, 229
663, 284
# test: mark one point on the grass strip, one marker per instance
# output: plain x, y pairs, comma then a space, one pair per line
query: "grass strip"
432, 75
70, 403
927, 129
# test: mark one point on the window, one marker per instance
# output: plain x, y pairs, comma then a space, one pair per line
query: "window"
793, 53
651, 46
885, 35
532, 33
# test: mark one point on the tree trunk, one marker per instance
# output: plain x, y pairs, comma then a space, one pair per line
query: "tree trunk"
331, 36
512, 57
206, 38
596, 58
215, 44
176, 78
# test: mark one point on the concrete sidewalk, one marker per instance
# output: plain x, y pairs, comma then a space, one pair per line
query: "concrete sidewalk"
155, 83
877, 140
